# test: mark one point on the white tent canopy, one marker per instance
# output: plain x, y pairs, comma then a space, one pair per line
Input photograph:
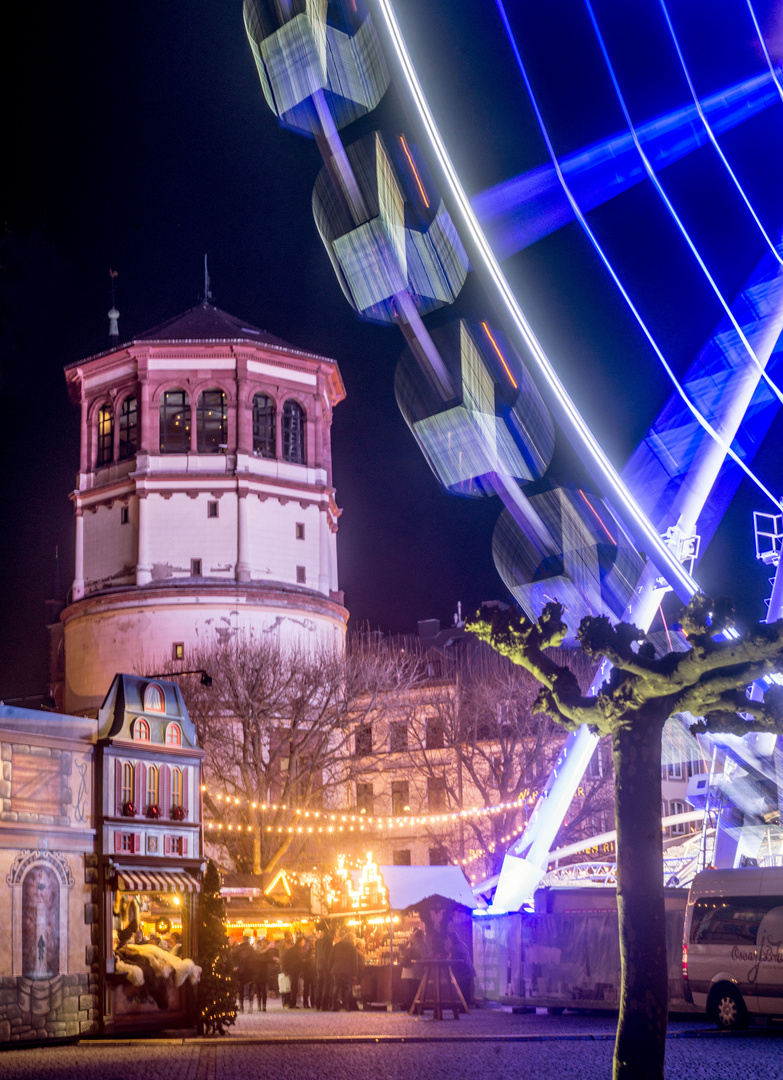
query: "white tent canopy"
410, 885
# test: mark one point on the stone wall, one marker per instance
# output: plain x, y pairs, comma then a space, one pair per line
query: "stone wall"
59, 1008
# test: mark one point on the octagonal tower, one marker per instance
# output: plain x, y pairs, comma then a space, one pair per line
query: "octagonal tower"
204, 502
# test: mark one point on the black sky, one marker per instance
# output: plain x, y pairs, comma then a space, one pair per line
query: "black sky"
136, 137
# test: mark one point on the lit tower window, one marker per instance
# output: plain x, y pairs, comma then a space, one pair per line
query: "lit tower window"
105, 436
211, 422
174, 422
293, 433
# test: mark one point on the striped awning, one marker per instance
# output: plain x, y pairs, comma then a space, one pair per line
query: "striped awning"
163, 881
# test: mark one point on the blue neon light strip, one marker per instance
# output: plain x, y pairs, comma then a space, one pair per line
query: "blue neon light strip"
763, 44
668, 204
700, 418
711, 133
527, 208
616, 491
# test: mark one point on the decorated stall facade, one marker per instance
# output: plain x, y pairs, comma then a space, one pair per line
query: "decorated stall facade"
149, 823
100, 854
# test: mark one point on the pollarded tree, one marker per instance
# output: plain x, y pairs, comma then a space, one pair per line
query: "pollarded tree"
708, 681
276, 725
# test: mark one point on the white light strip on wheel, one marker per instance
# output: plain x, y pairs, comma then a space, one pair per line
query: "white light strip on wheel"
617, 493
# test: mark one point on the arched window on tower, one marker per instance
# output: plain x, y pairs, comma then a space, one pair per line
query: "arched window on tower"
293, 433
141, 730
264, 426
105, 436
174, 422
153, 699
129, 427
211, 422
173, 735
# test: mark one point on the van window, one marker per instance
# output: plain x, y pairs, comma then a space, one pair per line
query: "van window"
730, 920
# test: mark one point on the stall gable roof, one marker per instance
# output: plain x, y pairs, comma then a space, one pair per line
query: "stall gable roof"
410, 885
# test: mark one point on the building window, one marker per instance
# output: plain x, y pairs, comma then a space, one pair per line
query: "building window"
677, 807
176, 845
437, 796
141, 730
126, 842
153, 698
127, 783
212, 422
124, 515
212, 508
300, 530
263, 426
364, 800
398, 737
293, 433
400, 793
105, 436
434, 738
174, 422
178, 650
195, 567
153, 786
438, 857
402, 857
363, 740
301, 575
173, 735
675, 770
129, 427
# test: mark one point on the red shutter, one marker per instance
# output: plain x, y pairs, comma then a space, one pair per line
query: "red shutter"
136, 843
118, 788
184, 845
185, 778
165, 791
118, 841
167, 845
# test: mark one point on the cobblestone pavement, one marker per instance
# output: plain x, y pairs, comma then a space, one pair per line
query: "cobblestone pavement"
490, 1042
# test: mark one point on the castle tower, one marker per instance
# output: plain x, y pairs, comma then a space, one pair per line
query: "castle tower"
204, 502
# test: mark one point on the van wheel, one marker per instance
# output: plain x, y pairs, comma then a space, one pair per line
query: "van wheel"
555, 1010
729, 1008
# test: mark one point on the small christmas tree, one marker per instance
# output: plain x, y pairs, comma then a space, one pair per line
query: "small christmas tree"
217, 992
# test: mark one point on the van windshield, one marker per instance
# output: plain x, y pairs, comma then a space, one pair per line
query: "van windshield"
730, 920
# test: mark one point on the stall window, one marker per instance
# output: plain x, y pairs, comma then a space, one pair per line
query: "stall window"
153, 699
141, 730
153, 786
127, 782
176, 787
173, 735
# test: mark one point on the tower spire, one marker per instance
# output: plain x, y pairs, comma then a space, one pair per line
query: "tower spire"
114, 329
207, 290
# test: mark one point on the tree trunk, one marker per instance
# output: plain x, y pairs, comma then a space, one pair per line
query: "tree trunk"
644, 995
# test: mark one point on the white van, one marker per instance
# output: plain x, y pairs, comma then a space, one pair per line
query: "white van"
732, 951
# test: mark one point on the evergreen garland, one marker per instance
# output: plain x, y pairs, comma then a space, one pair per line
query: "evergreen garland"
217, 991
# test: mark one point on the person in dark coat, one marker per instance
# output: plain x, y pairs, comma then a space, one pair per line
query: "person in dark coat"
344, 966
308, 972
244, 968
462, 966
265, 962
323, 976
412, 968
291, 965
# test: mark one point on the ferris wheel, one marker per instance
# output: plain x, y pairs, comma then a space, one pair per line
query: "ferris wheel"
481, 396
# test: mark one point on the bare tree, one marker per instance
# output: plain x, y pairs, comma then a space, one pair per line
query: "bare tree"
473, 739
276, 725
709, 681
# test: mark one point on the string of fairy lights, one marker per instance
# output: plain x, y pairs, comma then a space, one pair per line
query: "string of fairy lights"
329, 823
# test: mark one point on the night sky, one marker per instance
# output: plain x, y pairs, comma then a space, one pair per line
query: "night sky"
136, 137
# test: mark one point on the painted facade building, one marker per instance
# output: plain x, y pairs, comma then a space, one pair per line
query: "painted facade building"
101, 853
204, 500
